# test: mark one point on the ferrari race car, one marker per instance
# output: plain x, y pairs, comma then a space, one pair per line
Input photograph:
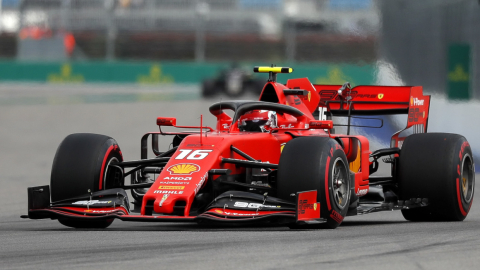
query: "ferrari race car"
276, 160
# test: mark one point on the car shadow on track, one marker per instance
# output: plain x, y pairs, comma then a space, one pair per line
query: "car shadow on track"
128, 226
171, 227
12, 223
371, 222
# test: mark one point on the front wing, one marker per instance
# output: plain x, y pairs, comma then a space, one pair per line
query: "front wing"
114, 204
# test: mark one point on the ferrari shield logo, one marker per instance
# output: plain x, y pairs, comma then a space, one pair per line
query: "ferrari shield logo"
164, 198
315, 206
380, 96
309, 96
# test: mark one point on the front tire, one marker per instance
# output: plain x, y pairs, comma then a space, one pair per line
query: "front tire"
81, 164
316, 163
439, 167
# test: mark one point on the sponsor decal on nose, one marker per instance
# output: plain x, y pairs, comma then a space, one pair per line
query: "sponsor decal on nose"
171, 187
183, 168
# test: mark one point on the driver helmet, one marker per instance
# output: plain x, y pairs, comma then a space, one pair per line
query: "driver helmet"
257, 121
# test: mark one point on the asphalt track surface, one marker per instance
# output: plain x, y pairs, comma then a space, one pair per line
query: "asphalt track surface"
30, 134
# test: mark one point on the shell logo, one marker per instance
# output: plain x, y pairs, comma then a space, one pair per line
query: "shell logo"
183, 169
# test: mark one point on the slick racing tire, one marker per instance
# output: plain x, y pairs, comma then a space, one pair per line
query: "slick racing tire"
81, 163
316, 163
440, 168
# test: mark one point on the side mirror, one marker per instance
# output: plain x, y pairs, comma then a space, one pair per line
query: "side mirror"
167, 121
326, 124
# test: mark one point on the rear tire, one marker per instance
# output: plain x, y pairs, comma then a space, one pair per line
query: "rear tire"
439, 167
81, 164
316, 163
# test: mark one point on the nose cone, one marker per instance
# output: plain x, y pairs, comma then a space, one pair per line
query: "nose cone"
164, 204
183, 176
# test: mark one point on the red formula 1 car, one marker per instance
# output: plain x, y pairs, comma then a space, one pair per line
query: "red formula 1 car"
268, 161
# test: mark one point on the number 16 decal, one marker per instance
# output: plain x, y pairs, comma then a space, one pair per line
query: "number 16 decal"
195, 155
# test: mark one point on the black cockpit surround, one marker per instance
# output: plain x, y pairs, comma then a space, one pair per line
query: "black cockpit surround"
240, 107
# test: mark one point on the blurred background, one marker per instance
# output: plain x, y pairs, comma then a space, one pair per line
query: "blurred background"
70, 62
433, 43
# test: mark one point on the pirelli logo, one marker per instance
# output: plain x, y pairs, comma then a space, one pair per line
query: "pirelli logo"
172, 187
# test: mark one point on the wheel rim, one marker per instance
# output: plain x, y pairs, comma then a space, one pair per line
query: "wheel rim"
109, 176
467, 178
340, 183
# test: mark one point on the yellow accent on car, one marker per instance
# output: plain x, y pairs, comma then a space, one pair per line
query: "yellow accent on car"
171, 187
184, 168
273, 69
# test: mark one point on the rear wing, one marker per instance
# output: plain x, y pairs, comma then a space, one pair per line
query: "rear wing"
378, 100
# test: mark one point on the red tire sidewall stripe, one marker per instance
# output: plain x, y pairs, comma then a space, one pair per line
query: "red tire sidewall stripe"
327, 195
460, 204
100, 182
